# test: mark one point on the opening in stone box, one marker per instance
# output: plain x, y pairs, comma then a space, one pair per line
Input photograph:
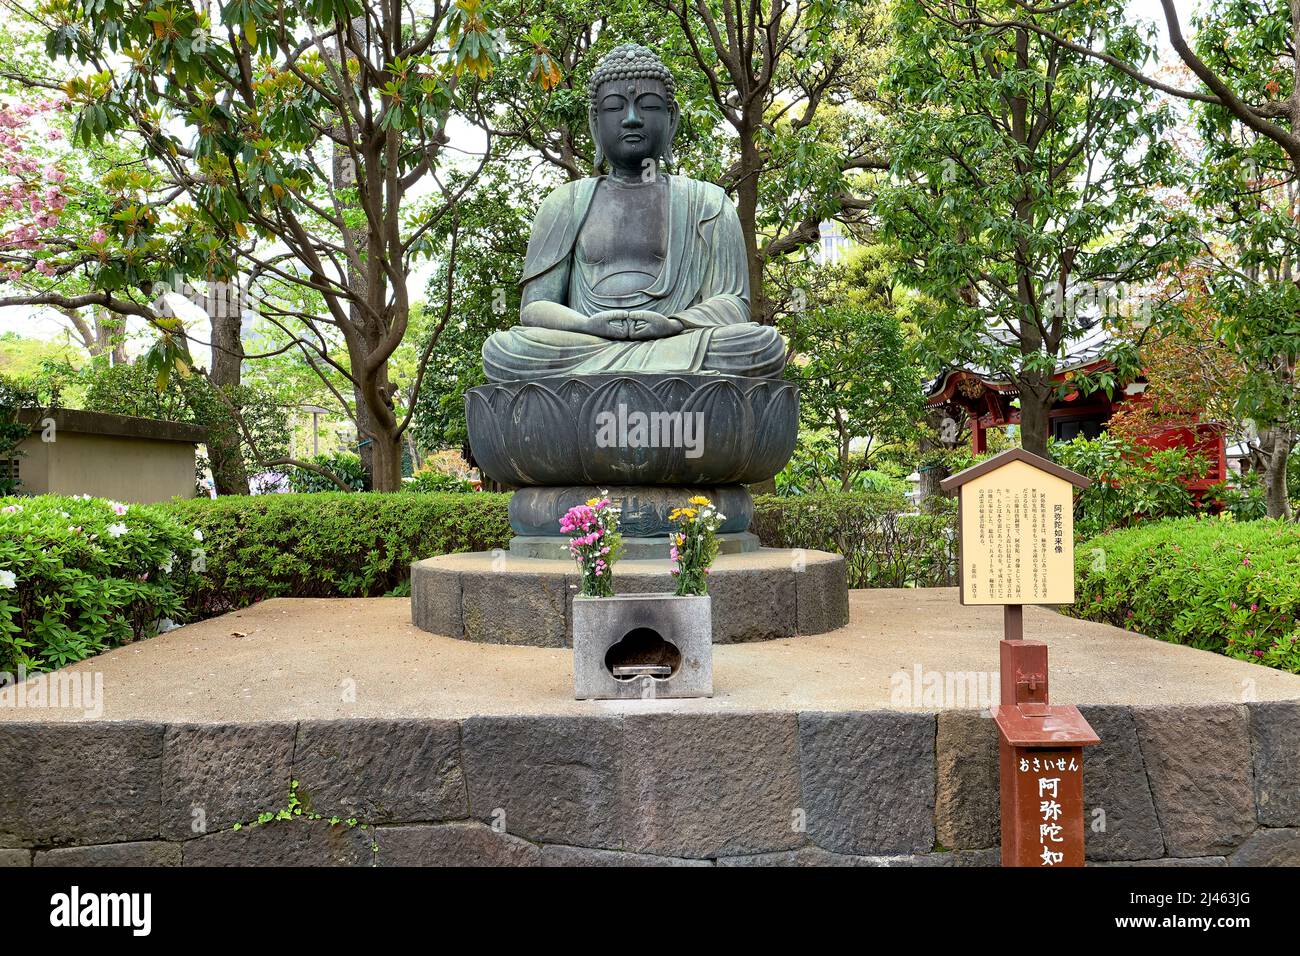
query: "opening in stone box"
641, 652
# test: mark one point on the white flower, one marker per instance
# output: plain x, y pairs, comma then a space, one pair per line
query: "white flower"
116, 530
198, 535
8, 580
118, 508
166, 566
11, 509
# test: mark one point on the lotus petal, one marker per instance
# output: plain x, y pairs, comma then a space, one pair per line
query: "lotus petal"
775, 434
724, 433
541, 443
485, 439
614, 436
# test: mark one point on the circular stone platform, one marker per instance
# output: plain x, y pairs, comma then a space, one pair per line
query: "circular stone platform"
495, 597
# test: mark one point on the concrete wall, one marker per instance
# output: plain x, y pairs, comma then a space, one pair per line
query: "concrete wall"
110, 456
1211, 785
108, 466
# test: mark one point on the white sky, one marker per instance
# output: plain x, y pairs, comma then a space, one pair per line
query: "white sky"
44, 324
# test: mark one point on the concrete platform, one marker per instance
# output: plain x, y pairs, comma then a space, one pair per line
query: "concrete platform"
497, 597
865, 746
290, 658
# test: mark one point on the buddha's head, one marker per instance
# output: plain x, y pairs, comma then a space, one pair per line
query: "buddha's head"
633, 115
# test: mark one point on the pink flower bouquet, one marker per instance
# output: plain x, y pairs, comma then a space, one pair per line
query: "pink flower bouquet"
595, 543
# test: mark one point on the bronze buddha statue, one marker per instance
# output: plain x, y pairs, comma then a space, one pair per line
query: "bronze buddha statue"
638, 271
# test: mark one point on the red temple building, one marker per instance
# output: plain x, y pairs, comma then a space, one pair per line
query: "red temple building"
986, 401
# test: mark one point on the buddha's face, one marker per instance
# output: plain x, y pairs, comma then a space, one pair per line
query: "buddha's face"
634, 121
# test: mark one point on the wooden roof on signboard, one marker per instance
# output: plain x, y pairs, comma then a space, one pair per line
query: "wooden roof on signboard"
953, 482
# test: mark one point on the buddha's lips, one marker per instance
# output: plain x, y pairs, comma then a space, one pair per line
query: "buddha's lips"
632, 137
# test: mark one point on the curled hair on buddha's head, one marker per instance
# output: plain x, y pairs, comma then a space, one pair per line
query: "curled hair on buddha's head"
630, 61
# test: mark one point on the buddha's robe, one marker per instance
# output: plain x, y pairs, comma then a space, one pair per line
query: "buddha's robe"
703, 282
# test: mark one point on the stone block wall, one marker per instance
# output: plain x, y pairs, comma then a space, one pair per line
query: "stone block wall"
1208, 785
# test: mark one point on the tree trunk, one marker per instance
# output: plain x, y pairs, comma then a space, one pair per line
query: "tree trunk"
1035, 403
931, 474
1275, 445
747, 212
386, 462
225, 452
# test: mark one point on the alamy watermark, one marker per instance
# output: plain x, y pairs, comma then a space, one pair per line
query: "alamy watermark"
637, 429
72, 690
949, 690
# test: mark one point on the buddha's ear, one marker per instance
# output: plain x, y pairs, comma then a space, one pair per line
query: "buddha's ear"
599, 161
667, 155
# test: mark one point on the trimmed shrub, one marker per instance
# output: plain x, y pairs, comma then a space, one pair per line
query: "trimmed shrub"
82, 575
885, 542
332, 544
1211, 583
336, 544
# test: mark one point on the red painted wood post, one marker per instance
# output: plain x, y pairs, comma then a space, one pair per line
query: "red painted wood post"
1016, 547
1040, 762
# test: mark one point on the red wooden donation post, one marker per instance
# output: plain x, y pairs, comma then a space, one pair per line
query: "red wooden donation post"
1016, 528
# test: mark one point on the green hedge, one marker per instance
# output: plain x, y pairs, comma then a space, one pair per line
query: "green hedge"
332, 544
885, 544
1219, 585
81, 575
78, 592
338, 544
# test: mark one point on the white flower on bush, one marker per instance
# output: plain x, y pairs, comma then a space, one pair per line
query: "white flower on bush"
119, 509
116, 530
198, 535
11, 509
8, 580
166, 566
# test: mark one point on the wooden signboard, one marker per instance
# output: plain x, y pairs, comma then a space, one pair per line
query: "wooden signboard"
1016, 525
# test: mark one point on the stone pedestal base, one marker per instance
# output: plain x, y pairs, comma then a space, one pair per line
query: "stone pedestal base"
499, 598
556, 547
536, 512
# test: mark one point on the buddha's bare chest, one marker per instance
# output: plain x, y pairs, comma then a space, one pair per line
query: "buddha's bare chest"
624, 238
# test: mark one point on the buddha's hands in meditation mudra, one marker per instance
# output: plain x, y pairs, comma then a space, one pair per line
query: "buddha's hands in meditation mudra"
637, 271
638, 324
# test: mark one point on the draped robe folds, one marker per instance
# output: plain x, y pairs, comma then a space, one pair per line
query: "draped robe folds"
703, 283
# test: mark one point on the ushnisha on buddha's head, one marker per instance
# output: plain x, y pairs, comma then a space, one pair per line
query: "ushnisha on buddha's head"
633, 115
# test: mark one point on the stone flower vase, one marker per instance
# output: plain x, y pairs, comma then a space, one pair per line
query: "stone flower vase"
642, 646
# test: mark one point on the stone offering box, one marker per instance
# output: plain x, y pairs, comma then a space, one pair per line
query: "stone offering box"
642, 646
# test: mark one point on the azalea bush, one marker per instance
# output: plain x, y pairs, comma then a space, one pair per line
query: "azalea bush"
694, 544
82, 575
595, 543
1208, 582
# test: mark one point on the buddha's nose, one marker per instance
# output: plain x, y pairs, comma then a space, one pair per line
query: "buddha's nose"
632, 120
